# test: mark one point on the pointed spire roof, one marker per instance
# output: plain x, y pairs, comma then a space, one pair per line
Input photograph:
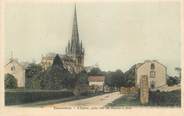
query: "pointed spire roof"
75, 33
74, 45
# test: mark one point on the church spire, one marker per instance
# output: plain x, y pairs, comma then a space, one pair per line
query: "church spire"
75, 33
75, 48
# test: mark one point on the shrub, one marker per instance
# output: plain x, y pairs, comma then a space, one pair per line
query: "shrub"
26, 96
33, 76
172, 98
10, 81
172, 81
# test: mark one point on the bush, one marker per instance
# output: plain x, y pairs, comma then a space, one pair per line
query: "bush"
10, 81
172, 98
82, 77
33, 76
95, 71
56, 77
26, 96
172, 81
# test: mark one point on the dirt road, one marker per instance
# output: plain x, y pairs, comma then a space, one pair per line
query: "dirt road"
100, 100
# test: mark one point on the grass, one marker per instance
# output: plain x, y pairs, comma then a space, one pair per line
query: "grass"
158, 99
127, 100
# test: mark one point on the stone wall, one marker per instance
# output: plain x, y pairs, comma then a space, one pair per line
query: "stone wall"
129, 90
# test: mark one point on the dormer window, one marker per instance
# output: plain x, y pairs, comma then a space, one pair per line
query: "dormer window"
152, 66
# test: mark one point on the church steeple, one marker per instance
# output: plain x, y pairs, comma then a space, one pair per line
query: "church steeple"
75, 33
75, 48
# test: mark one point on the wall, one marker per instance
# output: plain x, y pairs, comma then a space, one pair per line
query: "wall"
160, 77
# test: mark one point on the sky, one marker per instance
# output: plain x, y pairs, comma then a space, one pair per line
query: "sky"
115, 35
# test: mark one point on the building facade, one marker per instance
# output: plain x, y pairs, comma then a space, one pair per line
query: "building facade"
16, 69
155, 71
96, 82
73, 59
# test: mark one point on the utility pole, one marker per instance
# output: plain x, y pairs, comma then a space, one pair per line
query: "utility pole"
178, 69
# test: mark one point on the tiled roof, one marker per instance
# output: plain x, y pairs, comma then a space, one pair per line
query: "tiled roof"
96, 78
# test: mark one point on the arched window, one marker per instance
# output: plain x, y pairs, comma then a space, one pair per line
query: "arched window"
152, 66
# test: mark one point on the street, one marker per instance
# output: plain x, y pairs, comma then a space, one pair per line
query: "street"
100, 100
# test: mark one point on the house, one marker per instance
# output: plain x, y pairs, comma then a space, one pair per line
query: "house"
96, 82
16, 69
154, 70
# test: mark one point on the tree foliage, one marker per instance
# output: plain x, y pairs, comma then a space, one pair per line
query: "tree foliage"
82, 77
118, 78
129, 78
173, 80
114, 79
57, 77
95, 71
33, 76
10, 81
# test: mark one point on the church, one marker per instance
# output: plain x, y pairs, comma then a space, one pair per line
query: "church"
73, 59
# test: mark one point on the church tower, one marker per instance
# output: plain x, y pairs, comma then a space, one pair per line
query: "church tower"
75, 49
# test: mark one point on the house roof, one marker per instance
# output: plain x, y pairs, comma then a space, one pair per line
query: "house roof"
96, 78
151, 61
16, 62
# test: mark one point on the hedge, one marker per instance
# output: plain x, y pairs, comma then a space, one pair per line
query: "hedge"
15, 97
172, 98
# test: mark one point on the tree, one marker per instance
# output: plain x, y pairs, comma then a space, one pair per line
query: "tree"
95, 71
10, 81
172, 80
57, 77
34, 76
114, 79
57, 62
129, 78
82, 77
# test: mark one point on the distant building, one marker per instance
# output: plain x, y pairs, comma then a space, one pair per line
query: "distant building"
96, 82
155, 71
16, 69
73, 59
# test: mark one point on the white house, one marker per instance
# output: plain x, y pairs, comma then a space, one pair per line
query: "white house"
16, 69
97, 82
155, 71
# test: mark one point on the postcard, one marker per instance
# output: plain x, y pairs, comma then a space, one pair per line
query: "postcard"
121, 57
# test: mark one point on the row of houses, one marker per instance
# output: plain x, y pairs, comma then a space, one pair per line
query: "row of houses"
154, 70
